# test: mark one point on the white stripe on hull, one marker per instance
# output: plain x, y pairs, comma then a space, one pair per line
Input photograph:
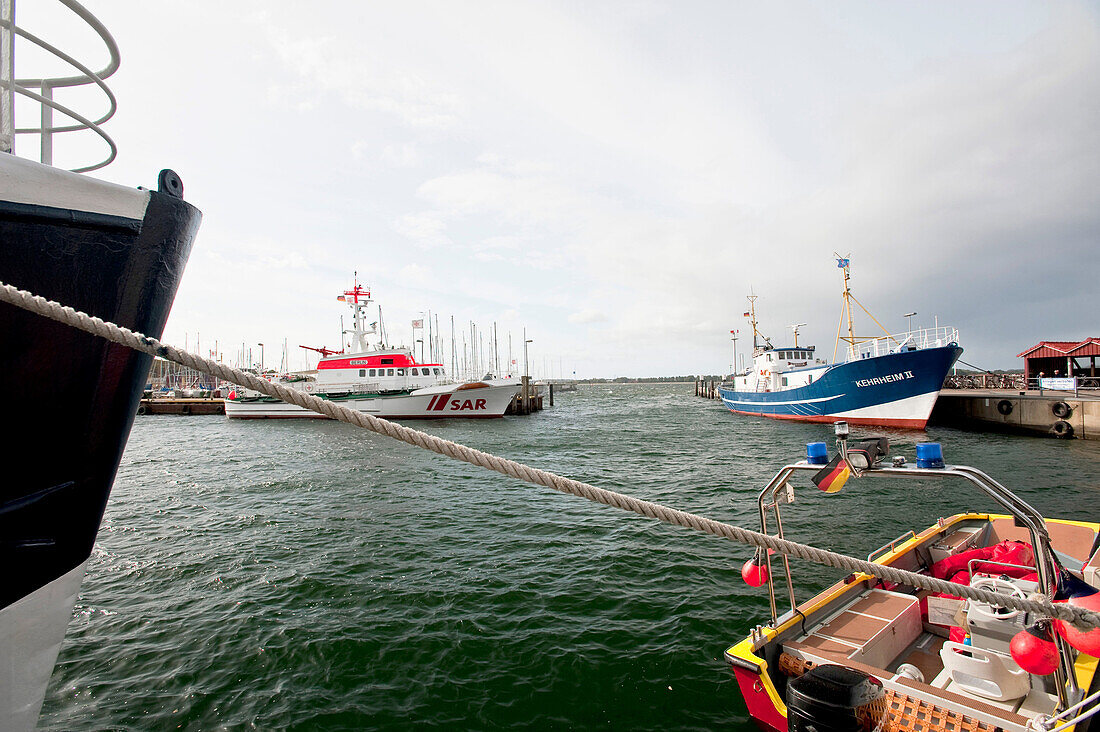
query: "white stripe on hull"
31, 631
750, 403
915, 407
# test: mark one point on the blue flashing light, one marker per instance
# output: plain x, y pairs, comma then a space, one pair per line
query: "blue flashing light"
929, 455
817, 453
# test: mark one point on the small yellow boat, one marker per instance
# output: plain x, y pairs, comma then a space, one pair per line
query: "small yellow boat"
869, 654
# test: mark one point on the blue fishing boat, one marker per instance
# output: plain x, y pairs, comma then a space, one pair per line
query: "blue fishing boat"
891, 380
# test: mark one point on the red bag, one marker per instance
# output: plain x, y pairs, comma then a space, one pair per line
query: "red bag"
1009, 552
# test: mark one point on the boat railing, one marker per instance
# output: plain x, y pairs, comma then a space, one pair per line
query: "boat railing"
912, 340
779, 490
11, 85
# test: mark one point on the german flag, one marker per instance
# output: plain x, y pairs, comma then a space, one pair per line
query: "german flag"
832, 477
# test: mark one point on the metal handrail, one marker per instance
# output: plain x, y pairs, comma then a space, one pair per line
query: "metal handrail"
972, 566
44, 97
891, 545
918, 339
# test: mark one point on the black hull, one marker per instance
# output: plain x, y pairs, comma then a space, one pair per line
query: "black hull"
70, 397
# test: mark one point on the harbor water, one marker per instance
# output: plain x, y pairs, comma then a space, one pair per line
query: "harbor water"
309, 575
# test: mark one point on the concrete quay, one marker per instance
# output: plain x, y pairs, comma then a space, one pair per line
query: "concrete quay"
1047, 413
181, 406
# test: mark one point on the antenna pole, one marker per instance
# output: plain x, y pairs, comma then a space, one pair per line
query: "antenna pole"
733, 364
795, 328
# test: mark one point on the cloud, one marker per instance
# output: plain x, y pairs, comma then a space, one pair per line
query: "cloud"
427, 229
403, 155
414, 275
587, 316
650, 163
519, 200
364, 79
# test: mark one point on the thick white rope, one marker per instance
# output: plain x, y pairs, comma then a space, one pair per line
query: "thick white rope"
116, 334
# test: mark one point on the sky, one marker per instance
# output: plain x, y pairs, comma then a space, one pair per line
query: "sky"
614, 177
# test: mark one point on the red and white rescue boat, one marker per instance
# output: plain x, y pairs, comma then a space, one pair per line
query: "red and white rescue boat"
384, 381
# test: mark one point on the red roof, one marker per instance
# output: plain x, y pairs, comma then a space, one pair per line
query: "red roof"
1054, 349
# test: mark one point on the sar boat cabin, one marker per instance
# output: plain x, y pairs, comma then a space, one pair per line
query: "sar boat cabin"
368, 365
389, 370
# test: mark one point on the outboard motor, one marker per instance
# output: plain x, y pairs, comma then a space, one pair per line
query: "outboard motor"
835, 699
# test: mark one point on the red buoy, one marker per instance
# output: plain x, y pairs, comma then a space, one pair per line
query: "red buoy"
1034, 651
755, 571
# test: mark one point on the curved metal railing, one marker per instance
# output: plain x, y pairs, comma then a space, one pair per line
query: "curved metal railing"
912, 340
46, 86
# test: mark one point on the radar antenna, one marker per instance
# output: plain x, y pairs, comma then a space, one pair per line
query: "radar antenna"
795, 328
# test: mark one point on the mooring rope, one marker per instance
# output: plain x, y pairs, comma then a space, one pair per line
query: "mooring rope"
137, 341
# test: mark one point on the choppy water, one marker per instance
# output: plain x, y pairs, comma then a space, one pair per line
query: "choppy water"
309, 575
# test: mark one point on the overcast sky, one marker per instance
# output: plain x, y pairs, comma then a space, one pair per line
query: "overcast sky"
615, 177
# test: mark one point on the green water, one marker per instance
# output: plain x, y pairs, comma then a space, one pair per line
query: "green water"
308, 575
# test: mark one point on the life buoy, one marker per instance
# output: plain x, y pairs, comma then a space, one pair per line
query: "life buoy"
1004, 407
185, 409
1061, 428
1061, 410
142, 409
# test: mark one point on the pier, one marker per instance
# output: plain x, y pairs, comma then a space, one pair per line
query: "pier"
182, 407
529, 398
707, 388
1047, 413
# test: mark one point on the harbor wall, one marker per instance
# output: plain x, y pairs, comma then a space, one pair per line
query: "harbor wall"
181, 406
1054, 414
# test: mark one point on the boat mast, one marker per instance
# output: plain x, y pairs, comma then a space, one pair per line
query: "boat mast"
358, 298
845, 264
756, 335
752, 319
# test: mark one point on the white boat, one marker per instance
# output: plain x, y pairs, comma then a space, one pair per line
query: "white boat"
377, 379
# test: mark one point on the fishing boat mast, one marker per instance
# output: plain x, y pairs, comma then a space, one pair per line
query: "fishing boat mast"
756, 337
752, 319
844, 263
